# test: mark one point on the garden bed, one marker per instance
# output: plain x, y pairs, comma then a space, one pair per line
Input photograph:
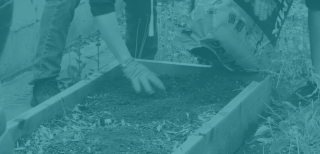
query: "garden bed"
114, 119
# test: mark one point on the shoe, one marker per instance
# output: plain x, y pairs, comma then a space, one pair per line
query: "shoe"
204, 55
304, 95
43, 90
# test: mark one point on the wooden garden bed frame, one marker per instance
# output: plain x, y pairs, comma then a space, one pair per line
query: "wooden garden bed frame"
223, 134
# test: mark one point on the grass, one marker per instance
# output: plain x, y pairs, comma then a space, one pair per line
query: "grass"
289, 129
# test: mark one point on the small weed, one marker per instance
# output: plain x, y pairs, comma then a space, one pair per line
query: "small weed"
74, 71
96, 57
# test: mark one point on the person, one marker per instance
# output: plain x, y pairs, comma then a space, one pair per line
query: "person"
6, 9
141, 42
304, 94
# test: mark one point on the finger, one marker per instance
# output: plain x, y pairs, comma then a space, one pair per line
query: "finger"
145, 84
156, 81
136, 85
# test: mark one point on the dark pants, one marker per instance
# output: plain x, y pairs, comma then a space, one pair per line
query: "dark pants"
313, 4
6, 8
54, 25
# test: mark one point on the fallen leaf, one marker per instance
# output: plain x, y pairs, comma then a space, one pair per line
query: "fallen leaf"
261, 130
168, 137
108, 121
265, 140
159, 127
122, 122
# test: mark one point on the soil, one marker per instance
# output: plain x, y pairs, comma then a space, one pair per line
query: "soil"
253, 147
117, 120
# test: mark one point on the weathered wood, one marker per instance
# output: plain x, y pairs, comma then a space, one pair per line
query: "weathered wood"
228, 127
172, 68
228, 130
62, 103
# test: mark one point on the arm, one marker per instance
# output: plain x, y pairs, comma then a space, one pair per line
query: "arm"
107, 22
110, 32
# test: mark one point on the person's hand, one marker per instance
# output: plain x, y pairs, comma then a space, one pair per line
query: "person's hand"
263, 8
141, 76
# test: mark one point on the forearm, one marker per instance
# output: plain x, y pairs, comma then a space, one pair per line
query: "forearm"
110, 32
314, 32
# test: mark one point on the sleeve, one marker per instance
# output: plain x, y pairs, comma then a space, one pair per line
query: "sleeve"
313, 4
101, 7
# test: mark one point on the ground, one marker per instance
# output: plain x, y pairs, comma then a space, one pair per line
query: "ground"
117, 120
287, 129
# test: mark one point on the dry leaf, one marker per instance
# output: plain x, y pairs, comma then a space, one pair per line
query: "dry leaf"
168, 137
265, 140
261, 130
108, 121
201, 118
122, 122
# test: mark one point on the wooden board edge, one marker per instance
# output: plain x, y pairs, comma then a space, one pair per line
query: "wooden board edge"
228, 125
62, 103
174, 68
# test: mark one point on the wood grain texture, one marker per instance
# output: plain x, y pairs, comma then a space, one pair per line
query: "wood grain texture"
228, 130
229, 127
172, 68
60, 104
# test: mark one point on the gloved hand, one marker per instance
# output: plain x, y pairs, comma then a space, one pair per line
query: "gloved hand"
141, 76
263, 8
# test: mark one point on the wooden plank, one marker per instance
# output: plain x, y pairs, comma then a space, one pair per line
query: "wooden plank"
62, 103
66, 100
227, 131
172, 68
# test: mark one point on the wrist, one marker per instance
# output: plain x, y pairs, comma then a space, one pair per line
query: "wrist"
123, 59
126, 62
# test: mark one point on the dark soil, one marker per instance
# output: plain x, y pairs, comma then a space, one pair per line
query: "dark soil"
253, 147
117, 120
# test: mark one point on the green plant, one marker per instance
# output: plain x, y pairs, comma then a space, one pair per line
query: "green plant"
97, 56
74, 71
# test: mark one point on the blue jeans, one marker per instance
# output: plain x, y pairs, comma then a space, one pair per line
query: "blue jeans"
54, 25
6, 8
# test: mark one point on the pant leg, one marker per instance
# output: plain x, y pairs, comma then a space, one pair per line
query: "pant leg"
54, 25
313, 4
137, 30
6, 8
